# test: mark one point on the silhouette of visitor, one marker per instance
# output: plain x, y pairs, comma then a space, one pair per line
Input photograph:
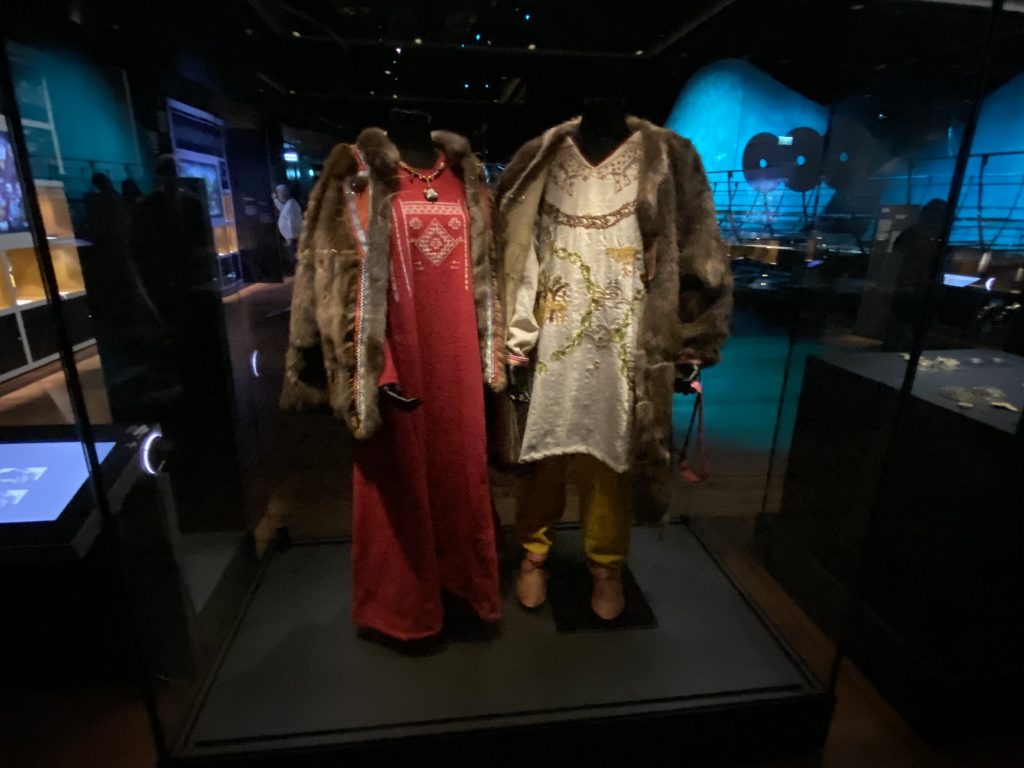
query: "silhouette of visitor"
916, 248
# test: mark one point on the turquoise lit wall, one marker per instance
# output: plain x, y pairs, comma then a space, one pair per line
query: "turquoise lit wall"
723, 105
91, 114
991, 211
727, 102
719, 109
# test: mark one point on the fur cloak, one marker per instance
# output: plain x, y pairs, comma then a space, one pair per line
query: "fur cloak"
686, 271
339, 300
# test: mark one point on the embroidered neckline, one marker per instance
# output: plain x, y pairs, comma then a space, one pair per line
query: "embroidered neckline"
610, 156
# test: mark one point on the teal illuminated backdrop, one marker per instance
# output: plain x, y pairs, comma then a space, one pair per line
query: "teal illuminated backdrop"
727, 103
91, 116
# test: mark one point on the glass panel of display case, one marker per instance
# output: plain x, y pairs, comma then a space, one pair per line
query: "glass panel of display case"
842, 202
134, 253
945, 532
864, 519
59, 479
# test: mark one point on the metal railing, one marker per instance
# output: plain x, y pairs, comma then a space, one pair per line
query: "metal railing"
990, 214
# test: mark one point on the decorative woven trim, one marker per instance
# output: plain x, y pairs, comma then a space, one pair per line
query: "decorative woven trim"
363, 243
589, 221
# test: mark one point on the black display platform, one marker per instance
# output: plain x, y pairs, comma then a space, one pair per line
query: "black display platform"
299, 677
569, 591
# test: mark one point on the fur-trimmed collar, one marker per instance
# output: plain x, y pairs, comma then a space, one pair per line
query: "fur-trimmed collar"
382, 156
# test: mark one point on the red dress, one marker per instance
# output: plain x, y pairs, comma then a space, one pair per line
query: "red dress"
422, 514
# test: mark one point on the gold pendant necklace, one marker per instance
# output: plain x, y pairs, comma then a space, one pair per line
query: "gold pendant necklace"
429, 193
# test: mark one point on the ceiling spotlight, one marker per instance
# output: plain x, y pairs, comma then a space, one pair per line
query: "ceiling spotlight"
418, 41
292, 92
527, 17
532, 46
465, 85
296, 33
487, 85
394, 95
387, 71
248, 31
638, 52
373, 93
398, 51
477, 37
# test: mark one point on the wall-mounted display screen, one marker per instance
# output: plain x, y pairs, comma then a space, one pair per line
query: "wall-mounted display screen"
38, 480
12, 197
210, 174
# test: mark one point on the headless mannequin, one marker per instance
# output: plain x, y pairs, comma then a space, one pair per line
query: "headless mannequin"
410, 133
602, 129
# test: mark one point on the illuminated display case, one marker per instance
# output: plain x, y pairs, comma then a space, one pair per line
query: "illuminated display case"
198, 139
26, 337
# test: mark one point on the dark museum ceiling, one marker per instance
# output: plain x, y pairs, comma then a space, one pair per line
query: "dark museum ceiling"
501, 70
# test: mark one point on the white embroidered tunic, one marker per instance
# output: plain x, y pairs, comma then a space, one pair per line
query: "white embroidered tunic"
578, 306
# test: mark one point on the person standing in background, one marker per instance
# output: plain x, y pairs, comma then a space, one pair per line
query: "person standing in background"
289, 220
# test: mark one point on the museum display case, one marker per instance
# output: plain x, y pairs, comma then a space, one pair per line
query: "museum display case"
826, 471
198, 140
23, 298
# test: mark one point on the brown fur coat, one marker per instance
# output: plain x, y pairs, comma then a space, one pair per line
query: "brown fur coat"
339, 301
689, 283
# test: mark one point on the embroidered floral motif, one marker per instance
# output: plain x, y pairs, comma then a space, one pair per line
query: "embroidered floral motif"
624, 257
605, 320
622, 167
555, 296
588, 237
455, 223
435, 243
415, 223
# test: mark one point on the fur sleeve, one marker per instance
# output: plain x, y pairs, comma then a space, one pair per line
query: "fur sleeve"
705, 278
305, 377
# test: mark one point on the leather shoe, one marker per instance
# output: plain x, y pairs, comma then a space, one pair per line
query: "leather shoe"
531, 584
608, 600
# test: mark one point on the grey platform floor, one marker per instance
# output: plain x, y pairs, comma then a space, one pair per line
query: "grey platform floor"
297, 671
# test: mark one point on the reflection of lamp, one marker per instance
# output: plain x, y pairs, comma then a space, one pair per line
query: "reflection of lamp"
291, 157
147, 452
254, 361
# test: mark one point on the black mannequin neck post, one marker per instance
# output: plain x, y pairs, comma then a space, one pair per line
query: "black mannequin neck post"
603, 128
409, 130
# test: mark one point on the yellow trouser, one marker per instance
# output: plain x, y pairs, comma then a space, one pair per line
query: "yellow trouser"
604, 507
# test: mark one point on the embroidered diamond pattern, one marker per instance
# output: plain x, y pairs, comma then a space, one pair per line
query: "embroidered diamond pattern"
435, 243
